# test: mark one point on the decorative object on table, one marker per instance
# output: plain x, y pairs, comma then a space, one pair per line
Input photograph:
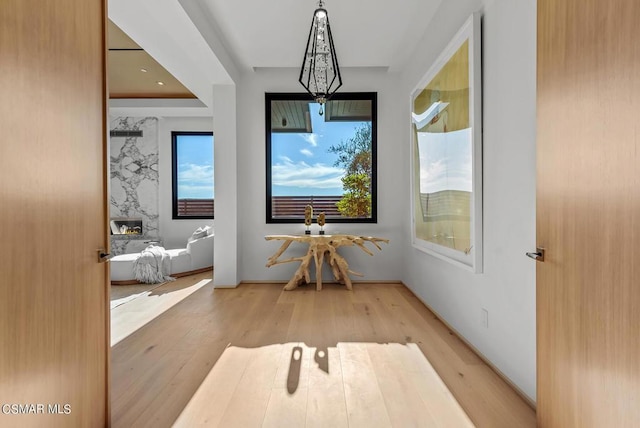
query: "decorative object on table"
321, 248
321, 222
320, 74
447, 153
308, 216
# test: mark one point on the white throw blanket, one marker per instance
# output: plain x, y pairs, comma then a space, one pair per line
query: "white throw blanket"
153, 265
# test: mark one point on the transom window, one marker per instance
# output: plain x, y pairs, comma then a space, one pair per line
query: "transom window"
193, 188
324, 160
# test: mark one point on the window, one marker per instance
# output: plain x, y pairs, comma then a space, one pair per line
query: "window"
192, 157
326, 160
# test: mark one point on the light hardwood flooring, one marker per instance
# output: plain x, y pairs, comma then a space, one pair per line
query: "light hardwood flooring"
258, 356
150, 304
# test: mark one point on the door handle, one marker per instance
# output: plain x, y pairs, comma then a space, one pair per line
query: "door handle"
538, 255
103, 256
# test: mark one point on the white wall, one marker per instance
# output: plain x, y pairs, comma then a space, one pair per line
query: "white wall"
254, 250
507, 286
175, 233
226, 247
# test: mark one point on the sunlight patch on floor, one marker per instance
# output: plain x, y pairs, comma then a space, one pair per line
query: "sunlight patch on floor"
131, 316
349, 385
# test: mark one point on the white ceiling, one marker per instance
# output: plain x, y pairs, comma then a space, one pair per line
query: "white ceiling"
367, 33
205, 42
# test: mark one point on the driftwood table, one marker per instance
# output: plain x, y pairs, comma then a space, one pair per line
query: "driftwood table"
321, 248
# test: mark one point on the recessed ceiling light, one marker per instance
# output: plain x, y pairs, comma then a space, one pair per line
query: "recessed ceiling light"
160, 83
144, 70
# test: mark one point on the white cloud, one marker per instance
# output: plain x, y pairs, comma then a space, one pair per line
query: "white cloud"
432, 175
310, 138
195, 181
302, 174
285, 158
306, 152
193, 172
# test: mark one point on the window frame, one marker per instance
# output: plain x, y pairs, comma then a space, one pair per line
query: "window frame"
297, 96
174, 176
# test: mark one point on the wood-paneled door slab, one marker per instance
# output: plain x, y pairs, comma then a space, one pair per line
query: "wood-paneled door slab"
53, 292
588, 219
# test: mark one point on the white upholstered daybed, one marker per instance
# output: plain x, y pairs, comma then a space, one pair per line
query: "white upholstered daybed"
196, 257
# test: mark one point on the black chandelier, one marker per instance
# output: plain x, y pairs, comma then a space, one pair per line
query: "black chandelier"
320, 74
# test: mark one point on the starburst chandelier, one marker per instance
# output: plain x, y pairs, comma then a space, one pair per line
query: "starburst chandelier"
320, 74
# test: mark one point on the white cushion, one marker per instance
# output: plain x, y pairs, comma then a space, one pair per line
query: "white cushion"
199, 233
180, 260
122, 267
201, 251
177, 252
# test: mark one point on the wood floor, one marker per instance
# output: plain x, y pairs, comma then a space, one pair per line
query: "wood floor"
133, 315
258, 356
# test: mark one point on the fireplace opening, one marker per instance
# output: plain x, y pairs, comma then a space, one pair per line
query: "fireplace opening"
126, 226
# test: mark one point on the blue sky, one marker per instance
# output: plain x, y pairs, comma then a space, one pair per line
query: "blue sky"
195, 167
300, 163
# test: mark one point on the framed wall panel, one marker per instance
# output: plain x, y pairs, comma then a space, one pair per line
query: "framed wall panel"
446, 142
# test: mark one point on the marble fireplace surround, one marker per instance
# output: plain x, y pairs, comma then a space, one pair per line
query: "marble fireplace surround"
134, 181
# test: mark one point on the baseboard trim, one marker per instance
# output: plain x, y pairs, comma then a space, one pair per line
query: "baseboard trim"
226, 286
192, 272
504, 377
360, 282
126, 282
175, 275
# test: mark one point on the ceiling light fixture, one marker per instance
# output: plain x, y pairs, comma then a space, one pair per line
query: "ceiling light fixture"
160, 83
144, 70
320, 74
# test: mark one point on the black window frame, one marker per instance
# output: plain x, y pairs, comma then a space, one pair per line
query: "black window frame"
174, 176
369, 96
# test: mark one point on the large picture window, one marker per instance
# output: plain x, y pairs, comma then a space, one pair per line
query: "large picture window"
193, 189
323, 156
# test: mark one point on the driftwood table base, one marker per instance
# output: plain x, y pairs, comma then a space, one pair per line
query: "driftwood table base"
321, 248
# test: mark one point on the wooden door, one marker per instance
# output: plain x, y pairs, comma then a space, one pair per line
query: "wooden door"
53, 292
588, 219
